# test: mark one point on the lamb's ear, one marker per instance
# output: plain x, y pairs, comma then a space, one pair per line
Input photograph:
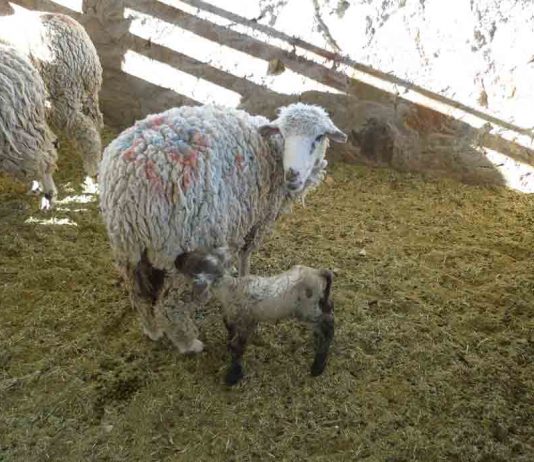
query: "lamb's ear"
325, 302
200, 289
269, 129
336, 135
223, 254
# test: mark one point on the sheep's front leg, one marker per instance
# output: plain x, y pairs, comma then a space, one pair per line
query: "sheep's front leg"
244, 262
251, 242
84, 133
237, 342
50, 192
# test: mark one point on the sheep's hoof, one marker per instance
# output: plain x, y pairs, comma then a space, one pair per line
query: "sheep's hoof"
46, 203
234, 374
35, 189
153, 335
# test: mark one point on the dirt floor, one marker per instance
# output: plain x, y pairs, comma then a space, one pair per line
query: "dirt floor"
432, 358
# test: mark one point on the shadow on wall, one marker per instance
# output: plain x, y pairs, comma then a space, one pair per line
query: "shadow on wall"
160, 54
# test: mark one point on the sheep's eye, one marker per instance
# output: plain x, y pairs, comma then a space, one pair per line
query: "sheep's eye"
319, 138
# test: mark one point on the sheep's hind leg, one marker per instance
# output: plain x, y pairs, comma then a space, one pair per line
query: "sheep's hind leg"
237, 342
173, 317
144, 283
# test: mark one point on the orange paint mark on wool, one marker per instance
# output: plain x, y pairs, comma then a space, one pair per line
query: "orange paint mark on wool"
191, 159
129, 154
202, 141
153, 177
239, 161
156, 121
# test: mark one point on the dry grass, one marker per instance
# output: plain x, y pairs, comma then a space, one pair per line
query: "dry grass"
432, 358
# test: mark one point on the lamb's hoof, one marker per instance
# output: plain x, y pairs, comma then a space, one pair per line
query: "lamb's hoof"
196, 347
318, 367
234, 374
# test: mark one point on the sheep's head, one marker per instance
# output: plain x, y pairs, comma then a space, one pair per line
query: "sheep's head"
306, 130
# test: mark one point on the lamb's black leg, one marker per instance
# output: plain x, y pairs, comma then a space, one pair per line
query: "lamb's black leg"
324, 333
237, 342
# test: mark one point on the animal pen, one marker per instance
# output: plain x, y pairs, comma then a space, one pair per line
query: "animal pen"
424, 219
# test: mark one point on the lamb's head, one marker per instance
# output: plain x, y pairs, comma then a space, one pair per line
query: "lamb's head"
306, 130
204, 268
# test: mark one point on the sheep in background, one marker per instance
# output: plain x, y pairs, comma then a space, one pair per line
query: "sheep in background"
202, 177
302, 293
27, 148
67, 60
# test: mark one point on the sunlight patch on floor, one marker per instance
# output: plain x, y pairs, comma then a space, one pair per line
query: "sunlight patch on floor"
51, 221
77, 199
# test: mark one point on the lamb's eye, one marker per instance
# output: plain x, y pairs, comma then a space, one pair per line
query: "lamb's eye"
319, 138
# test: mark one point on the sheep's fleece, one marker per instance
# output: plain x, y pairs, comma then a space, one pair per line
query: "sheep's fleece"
67, 60
190, 177
26, 142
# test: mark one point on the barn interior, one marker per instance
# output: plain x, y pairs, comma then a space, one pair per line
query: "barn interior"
425, 218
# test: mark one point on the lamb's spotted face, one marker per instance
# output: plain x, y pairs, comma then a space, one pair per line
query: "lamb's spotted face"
305, 130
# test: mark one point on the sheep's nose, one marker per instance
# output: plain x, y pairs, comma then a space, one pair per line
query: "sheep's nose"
292, 175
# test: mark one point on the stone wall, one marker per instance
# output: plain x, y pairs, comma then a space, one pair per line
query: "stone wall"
368, 62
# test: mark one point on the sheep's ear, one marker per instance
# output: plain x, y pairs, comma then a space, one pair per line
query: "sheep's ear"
336, 135
269, 129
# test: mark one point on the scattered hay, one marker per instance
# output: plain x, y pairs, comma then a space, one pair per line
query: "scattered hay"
432, 358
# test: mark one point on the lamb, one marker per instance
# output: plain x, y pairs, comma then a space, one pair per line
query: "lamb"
67, 60
302, 293
202, 177
27, 148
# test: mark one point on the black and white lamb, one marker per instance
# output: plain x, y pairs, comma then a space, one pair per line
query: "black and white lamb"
27, 149
202, 177
67, 60
302, 293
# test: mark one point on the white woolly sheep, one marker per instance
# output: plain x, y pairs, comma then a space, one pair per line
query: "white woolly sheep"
202, 177
27, 148
302, 293
67, 60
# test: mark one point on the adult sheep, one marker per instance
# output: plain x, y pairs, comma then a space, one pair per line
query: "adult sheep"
202, 177
27, 148
67, 60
